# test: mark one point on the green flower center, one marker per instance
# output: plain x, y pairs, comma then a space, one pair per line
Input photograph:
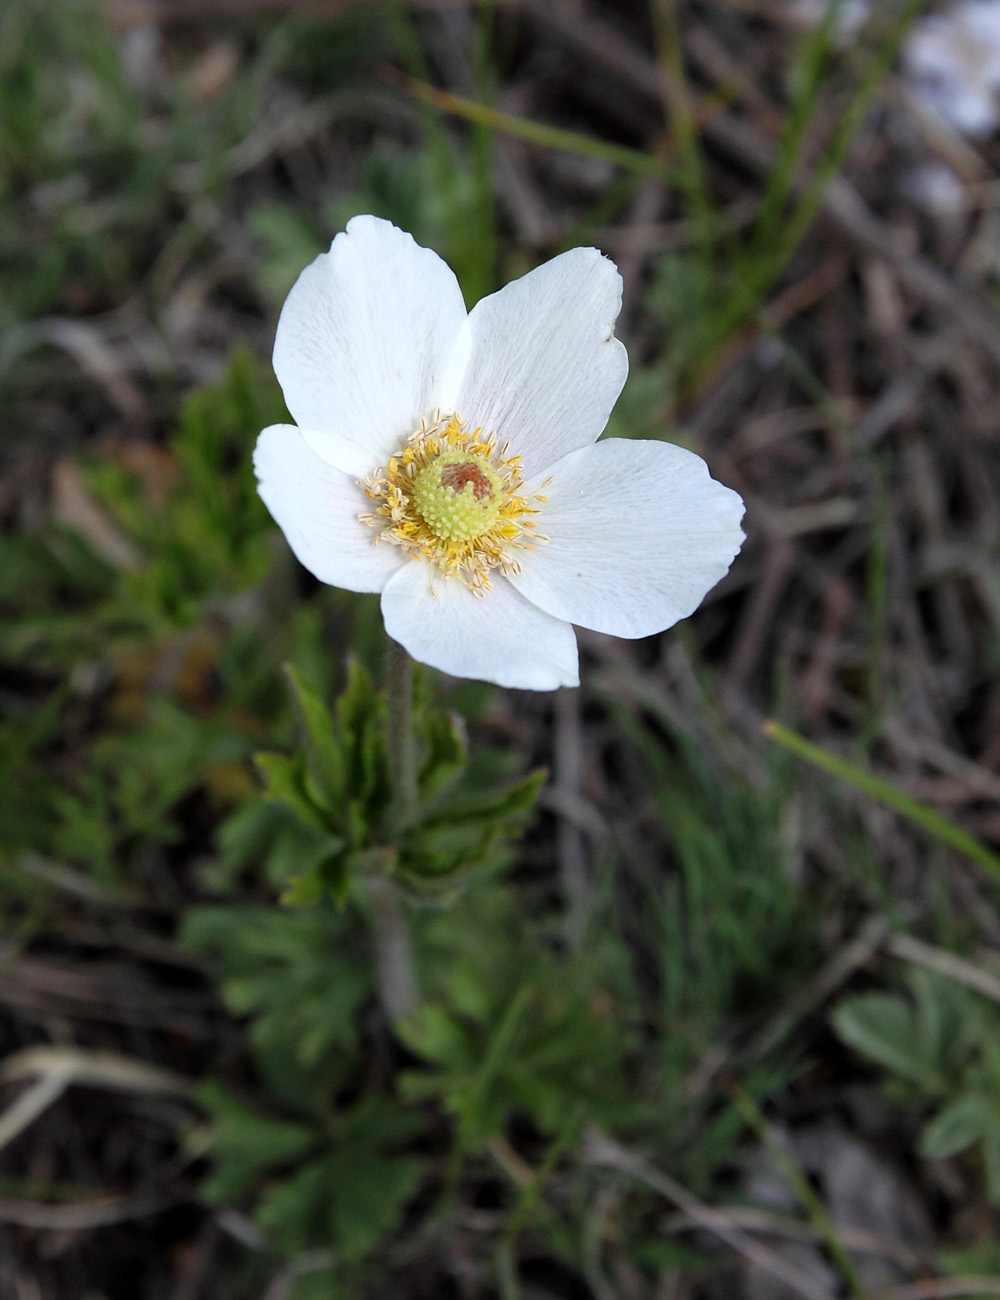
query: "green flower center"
458, 495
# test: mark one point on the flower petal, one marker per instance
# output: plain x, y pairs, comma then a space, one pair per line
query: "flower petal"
638, 533
545, 368
362, 343
498, 637
317, 508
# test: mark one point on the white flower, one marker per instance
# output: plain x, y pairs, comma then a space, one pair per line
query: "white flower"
449, 460
951, 65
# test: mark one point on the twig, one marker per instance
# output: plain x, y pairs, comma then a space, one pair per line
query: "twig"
957, 968
93, 1069
59, 1067
602, 1150
854, 954
38, 1098
86, 1214
941, 1289
753, 1219
313, 1261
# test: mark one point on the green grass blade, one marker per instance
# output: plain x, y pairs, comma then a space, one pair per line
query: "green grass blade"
796, 1178
540, 133
940, 827
469, 219
837, 150
691, 170
810, 82
766, 260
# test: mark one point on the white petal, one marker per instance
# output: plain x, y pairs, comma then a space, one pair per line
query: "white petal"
638, 533
498, 637
317, 508
362, 342
545, 368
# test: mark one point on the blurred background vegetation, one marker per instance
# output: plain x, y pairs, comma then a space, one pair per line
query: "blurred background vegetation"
723, 1022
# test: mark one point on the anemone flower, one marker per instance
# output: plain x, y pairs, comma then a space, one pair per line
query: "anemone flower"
449, 460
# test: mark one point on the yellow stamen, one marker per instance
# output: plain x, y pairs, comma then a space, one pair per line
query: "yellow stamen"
451, 497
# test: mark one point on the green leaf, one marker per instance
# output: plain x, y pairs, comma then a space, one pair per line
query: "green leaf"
284, 780
432, 1033
991, 1159
452, 840
305, 891
444, 752
492, 810
960, 1124
320, 1284
291, 1213
947, 1014
884, 1028
323, 749
352, 1197
373, 1181
299, 976
329, 874
921, 814
265, 838
244, 1144
360, 712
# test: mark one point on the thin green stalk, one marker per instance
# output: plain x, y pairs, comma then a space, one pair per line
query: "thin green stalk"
766, 261
531, 1194
940, 827
450, 1184
440, 148
801, 1186
691, 173
497, 1047
809, 79
510, 1287
843, 137
506, 1254
540, 133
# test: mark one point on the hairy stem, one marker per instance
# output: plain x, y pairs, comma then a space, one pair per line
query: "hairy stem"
395, 979
397, 984
399, 735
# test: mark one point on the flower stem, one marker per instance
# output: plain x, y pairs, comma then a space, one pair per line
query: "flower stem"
399, 734
396, 981
394, 976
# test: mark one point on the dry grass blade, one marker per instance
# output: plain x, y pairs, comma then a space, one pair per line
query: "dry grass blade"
76, 1065
856, 953
776, 1225
945, 1288
86, 1215
57, 1068
602, 1150
957, 968
32, 1103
